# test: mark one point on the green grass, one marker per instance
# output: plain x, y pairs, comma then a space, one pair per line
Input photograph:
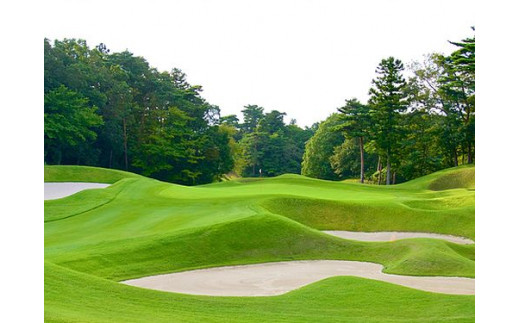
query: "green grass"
71, 296
84, 174
139, 227
450, 178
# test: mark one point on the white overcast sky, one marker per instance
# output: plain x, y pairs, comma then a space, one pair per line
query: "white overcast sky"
300, 57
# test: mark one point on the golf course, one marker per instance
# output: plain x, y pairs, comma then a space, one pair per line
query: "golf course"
288, 248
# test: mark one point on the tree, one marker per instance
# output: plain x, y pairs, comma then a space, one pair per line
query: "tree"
320, 148
434, 109
252, 116
357, 124
145, 113
168, 148
68, 122
272, 122
420, 152
230, 120
250, 146
459, 88
387, 101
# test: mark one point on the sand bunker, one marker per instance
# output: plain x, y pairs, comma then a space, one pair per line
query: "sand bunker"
277, 278
392, 236
59, 190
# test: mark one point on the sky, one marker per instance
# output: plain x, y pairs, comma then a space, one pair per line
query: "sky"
300, 57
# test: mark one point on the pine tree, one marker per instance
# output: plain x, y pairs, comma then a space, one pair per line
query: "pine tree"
387, 101
357, 125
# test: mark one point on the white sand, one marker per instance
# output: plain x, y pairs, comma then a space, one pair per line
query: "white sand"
63, 189
277, 278
392, 236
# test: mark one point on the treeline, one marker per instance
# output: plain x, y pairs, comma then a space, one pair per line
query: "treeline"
408, 128
114, 110
264, 145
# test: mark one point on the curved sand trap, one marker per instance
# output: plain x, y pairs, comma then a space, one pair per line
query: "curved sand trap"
63, 189
277, 278
392, 236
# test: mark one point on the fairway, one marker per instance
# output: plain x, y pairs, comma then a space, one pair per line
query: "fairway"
139, 227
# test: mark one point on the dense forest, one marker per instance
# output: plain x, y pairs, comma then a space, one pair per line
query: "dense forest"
114, 110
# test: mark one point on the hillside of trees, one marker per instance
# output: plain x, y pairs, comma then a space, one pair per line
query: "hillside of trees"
114, 110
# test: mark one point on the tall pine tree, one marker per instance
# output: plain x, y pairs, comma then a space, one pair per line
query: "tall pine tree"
388, 100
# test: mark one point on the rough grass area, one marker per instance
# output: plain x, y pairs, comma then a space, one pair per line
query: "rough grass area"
450, 178
139, 227
465, 178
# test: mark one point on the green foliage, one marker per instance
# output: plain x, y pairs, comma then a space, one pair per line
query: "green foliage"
114, 110
358, 125
388, 100
252, 116
269, 146
345, 161
419, 150
320, 148
68, 123
357, 119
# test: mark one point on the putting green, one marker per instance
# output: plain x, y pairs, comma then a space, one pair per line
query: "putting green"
141, 227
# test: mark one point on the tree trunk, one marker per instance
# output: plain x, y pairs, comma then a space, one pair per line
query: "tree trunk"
361, 149
379, 170
393, 178
388, 171
455, 158
125, 143
255, 158
470, 157
58, 157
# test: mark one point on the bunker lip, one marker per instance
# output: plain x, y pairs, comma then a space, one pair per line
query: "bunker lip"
56, 190
277, 278
392, 236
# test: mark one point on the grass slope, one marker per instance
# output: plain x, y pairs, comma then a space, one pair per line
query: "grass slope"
139, 227
64, 173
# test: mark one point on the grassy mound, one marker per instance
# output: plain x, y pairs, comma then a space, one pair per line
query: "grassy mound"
62, 173
464, 178
378, 215
451, 178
